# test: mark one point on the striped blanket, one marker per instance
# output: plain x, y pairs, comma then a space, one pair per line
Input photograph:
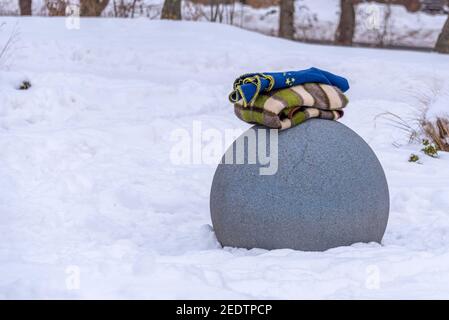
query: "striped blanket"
247, 87
288, 107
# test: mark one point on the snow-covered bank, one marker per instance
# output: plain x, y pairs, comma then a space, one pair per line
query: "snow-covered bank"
87, 186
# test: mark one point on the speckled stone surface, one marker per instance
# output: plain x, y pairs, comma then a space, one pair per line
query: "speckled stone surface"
329, 191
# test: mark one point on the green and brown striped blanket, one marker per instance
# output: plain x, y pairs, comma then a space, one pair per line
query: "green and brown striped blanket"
285, 108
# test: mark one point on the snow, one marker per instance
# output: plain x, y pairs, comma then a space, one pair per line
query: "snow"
92, 207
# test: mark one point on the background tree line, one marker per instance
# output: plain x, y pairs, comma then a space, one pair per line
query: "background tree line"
88, 8
172, 10
346, 27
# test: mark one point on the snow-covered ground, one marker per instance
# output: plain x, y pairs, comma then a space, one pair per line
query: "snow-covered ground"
92, 207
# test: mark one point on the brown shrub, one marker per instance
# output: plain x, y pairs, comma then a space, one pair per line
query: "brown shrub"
437, 132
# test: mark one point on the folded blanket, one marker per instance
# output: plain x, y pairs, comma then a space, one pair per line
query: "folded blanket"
285, 108
249, 86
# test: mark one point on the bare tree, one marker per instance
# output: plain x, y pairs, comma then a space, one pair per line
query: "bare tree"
134, 8
220, 11
384, 32
286, 19
216, 10
442, 44
56, 7
171, 10
126, 8
346, 25
25, 7
92, 8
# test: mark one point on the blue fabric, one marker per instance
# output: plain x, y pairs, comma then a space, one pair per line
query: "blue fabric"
248, 86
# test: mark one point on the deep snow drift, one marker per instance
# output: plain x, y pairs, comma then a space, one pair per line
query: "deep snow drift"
91, 206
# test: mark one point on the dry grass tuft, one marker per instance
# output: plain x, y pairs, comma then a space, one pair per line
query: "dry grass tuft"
437, 132
419, 126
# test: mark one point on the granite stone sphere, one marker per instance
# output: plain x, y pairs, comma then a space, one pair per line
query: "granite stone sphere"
329, 190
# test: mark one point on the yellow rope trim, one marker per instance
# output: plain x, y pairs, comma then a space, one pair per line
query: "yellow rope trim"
253, 79
270, 79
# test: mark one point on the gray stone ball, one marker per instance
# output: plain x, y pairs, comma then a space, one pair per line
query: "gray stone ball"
329, 190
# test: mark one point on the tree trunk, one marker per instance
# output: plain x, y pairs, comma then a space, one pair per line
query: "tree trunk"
346, 26
442, 44
286, 19
56, 8
25, 7
171, 10
92, 8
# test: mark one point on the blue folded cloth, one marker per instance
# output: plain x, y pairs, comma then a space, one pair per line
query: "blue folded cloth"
248, 86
